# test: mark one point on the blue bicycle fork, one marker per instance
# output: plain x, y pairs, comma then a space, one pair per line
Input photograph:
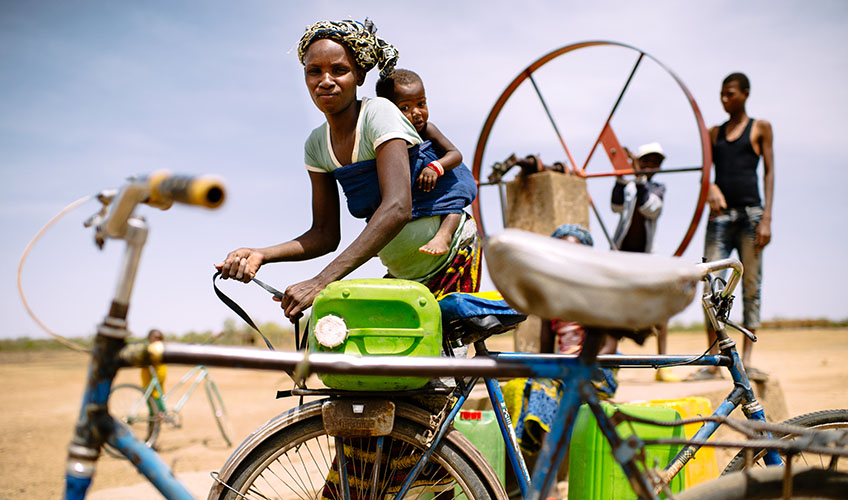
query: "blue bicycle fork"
96, 427
94, 424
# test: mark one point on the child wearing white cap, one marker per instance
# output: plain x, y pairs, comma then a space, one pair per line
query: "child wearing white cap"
639, 203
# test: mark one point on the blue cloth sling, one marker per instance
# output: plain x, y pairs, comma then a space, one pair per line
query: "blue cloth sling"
454, 191
459, 305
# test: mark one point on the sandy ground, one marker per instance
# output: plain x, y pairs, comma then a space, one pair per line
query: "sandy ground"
43, 390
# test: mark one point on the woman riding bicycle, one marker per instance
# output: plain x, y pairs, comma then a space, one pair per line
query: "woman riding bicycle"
361, 138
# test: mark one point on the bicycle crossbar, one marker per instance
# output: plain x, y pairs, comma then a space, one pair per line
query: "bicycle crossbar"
505, 365
305, 363
830, 445
630, 361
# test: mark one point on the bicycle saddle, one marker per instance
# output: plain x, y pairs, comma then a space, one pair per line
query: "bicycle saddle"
552, 278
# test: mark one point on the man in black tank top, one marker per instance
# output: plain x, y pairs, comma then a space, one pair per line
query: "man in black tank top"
739, 219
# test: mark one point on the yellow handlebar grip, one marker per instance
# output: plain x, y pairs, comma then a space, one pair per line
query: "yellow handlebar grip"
206, 191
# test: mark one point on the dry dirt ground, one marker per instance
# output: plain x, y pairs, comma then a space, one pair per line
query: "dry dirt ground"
43, 389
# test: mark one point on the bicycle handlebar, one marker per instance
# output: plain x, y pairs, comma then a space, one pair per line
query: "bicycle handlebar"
717, 265
160, 190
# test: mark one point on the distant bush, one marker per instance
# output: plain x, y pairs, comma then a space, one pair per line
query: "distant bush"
28, 344
772, 324
683, 327
282, 337
804, 323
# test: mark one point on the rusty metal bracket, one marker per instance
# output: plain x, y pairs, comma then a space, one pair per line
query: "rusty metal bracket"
358, 417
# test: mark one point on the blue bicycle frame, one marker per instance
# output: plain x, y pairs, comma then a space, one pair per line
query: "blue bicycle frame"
95, 426
742, 394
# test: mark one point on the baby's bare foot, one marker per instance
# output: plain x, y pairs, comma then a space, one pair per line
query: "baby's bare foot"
434, 247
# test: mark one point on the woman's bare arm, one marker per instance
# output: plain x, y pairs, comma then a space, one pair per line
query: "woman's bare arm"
322, 237
394, 212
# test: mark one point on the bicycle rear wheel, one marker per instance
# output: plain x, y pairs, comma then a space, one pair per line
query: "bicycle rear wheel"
821, 420
218, 410
767, 484
127, 403
299, 462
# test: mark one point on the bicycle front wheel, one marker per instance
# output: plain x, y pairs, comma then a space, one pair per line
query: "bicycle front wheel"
768, 484
218, 410
300, 462
820, 420
127, 403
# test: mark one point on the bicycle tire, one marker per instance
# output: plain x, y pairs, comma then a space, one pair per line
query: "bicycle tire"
304, 449
218, 410
826, 419
767, 484
127, 404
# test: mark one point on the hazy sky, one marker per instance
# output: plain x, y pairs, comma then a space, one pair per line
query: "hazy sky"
92, 92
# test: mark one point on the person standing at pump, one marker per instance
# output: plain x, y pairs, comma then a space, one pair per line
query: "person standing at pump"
739, 219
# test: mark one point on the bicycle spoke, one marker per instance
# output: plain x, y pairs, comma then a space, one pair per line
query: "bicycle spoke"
614, 108
358, 469
276, 493
553, 122
300, 484
315, 461
293, 467
600, 221
341, 463
375, 472
253, 492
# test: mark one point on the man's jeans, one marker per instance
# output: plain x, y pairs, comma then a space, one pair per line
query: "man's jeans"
736, 229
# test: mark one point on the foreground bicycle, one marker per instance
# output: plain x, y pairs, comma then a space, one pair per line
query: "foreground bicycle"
454, 467
261, 467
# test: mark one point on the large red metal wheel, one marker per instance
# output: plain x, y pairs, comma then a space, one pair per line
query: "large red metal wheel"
606, 138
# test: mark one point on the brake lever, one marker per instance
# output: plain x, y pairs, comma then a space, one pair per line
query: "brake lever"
273, 291
748, 333
105, 198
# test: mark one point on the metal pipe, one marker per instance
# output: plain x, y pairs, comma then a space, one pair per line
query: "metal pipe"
504, 205
645, 171
237, 357
135, 237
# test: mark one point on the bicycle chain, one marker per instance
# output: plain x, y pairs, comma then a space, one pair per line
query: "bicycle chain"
437, 420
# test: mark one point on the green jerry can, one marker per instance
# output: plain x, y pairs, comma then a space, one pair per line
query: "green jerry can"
593, 473
375, 317
482, 429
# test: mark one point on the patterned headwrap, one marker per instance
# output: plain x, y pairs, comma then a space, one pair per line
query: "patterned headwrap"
368, 50
575, 230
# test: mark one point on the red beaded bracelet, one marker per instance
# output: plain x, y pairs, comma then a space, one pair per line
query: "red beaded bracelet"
435, 165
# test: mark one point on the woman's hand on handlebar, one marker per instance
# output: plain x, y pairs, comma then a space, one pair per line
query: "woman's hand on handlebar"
299, 297
241, 264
